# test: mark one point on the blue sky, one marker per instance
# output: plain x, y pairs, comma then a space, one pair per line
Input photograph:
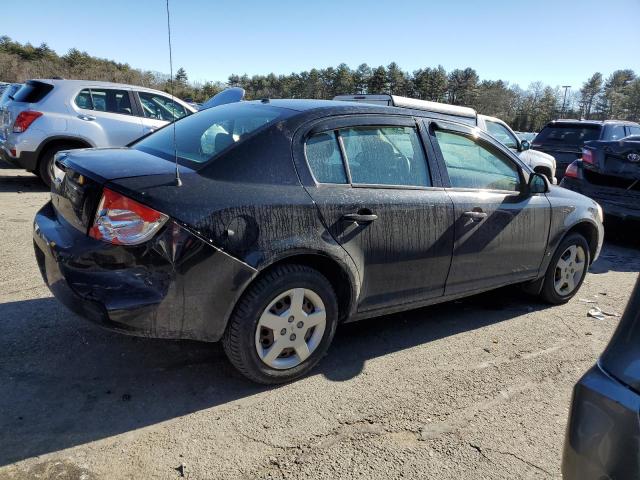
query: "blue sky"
557, 42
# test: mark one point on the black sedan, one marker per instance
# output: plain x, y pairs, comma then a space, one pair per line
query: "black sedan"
268, 223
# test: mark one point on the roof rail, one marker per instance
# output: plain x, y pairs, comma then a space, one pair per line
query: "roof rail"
413, 103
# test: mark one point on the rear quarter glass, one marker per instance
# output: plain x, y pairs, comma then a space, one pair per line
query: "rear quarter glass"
32, 92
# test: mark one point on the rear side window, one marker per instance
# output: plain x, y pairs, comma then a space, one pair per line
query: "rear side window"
568, 134
32, 92
325, 160
633, 130
471, 165
615, 132
160, 107
105, 100
385, 156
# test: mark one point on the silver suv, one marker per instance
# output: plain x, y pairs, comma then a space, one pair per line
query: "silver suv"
48, 116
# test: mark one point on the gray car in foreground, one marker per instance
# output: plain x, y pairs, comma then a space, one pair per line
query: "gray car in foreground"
603, 433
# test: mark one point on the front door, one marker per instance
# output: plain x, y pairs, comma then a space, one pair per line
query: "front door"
501, 232
374, 189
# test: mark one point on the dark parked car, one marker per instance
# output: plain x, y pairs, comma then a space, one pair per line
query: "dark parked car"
603, 433
564, 139
609, 172
291, 216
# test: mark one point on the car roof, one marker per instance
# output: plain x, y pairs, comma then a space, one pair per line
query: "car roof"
575, 121
89, 83
338, 107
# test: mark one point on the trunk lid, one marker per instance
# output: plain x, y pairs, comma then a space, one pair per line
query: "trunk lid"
79, 176
619, 158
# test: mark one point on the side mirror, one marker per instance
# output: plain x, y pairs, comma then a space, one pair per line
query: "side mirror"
524, 145
538, 183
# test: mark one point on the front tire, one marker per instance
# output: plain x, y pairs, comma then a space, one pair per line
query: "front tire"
282, 325
567, 270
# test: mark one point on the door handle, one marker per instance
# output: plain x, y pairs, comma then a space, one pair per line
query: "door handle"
475, 215
364, 216
88, 118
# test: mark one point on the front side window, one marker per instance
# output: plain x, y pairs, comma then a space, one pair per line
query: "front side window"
160, 107
203, 135
385, 156
471, 165
502, 134
325, 160
105, 100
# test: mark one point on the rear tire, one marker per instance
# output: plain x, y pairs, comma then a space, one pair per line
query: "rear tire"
567, 270
45, 165
282, 325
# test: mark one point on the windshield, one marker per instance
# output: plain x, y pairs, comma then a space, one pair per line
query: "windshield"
568, 134
203, 135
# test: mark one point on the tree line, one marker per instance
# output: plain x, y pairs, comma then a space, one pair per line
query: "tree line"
617, 96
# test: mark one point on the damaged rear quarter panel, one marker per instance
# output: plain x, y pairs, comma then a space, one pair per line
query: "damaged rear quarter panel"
249, 204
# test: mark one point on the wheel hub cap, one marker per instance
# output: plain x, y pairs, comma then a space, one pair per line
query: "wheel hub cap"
569, 270
281, 343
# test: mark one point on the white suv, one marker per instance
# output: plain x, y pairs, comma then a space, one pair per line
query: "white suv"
48, 116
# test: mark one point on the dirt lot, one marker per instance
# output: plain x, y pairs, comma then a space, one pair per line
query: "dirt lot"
471, 389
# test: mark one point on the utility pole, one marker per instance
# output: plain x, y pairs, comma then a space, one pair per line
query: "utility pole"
564, 102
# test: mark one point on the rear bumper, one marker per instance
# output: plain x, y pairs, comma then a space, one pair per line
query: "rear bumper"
25, 159
175, 286
603, 432
616, 202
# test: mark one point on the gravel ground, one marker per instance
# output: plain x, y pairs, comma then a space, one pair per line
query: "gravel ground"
471, 389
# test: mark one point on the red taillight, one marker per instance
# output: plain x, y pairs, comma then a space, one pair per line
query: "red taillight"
572, 170
24, 120
122, 221
587, 156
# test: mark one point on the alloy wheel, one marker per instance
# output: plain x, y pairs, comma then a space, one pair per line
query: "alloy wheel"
290, 328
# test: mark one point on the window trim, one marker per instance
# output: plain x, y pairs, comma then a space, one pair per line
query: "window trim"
485, 140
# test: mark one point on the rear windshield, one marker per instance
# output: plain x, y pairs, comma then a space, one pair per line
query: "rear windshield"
568, 134
32, 92
203, 135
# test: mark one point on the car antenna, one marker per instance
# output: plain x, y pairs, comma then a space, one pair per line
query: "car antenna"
175, 146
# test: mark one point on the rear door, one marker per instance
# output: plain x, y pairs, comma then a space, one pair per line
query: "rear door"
500, 232
379, 199
107, 116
